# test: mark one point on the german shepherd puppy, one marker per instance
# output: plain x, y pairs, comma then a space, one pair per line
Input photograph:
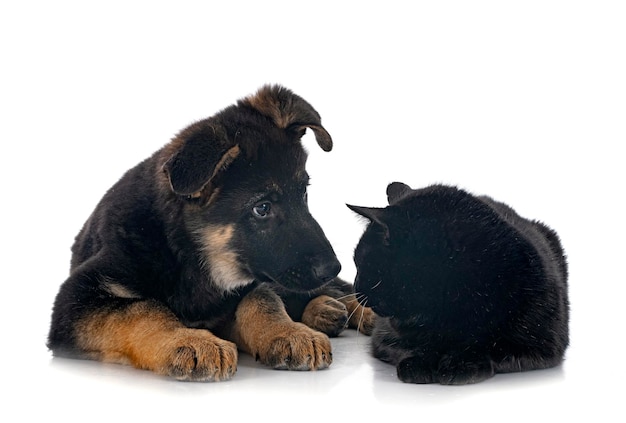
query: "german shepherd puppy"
186, 258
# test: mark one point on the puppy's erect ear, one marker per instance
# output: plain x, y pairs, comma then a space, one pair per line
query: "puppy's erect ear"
198, 160
290, 112
396, 191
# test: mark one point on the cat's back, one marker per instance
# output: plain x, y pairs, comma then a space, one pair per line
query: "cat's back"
542, 237
449, 204
454, 206
463, 217
481, 236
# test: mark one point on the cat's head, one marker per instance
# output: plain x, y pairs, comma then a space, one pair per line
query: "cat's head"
394, 257
376, 254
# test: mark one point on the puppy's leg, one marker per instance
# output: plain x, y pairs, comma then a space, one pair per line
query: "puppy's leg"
263, 328
98, 319
146, 335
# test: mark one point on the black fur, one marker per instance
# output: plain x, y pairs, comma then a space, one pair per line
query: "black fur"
202, 222
466, 288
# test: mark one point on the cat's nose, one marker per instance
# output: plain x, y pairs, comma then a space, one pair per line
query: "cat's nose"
325, 270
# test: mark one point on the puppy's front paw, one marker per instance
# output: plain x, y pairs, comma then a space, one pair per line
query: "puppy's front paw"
197, 355
295, 346
326, 315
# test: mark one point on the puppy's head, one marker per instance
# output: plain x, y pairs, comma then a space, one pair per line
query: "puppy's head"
241, 181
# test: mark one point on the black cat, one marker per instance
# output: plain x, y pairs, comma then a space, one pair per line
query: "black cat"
463, 286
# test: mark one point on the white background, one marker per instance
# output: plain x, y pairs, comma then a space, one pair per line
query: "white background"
523, 101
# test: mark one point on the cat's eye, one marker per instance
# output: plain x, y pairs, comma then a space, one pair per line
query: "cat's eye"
262, 210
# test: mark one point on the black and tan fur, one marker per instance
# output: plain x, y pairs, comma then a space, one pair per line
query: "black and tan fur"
208, 247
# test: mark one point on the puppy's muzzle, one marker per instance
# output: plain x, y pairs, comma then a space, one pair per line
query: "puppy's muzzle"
326, 270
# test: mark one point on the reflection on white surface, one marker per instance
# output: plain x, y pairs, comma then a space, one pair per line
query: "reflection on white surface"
355, 384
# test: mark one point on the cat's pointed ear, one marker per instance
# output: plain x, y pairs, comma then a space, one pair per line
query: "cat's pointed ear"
396, 191
373, 214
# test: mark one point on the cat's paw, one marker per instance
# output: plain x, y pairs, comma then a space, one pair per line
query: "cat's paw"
457, 369
294, 346
326, 315
414, 370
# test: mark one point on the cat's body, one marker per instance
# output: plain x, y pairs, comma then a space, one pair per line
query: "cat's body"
464, 287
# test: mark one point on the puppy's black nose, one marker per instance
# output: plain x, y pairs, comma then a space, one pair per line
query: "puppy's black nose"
327, 269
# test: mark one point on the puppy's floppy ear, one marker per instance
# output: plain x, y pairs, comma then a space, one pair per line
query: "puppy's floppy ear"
198, 160
396, 191
290, 112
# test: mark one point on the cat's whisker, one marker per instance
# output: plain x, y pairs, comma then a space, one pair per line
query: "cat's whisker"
346, 296
352, 313
355, 308
358, 326
377, 284
362, 301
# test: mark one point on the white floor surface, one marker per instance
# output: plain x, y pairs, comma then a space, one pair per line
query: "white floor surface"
356, 386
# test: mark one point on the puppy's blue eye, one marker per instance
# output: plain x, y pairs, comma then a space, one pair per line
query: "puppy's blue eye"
262, 210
